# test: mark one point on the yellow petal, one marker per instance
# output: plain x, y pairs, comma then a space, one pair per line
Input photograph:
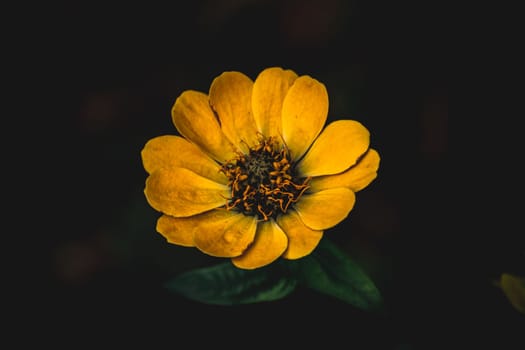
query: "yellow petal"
176, 230
324, 209
171, 151
514, 288
302, 240
195, 120
336, 149
304, 113
269, 91
356, 178
223, 233
217, 232
180, 192
230, 97
269, 244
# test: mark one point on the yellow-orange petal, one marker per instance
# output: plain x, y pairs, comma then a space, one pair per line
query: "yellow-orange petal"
269, 244
181, 192
217, 232
269, 91
224, 233
195, 120
230, 98
356, 178
302, 240
336, 149
324, 209
304, 113
171, 151
176, 230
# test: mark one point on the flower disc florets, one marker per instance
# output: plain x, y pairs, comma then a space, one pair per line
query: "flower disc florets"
263, 181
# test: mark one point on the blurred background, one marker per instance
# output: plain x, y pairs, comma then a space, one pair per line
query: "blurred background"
104, 78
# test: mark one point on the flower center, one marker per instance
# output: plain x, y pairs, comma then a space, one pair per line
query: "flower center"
263, 182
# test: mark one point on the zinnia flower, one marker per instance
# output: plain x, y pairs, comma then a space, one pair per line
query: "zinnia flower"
254, 176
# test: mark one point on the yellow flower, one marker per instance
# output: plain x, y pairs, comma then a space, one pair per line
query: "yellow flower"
255, 176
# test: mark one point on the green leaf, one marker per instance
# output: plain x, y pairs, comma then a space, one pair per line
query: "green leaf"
225, 284
330, 271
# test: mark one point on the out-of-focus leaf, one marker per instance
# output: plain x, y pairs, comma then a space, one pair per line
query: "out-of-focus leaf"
514, 289
225, 284
330, 271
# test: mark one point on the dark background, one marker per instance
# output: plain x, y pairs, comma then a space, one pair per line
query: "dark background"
102, 81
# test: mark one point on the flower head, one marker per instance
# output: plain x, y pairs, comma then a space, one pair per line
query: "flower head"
255, 174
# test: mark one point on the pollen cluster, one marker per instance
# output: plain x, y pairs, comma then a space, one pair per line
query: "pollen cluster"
262, 181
